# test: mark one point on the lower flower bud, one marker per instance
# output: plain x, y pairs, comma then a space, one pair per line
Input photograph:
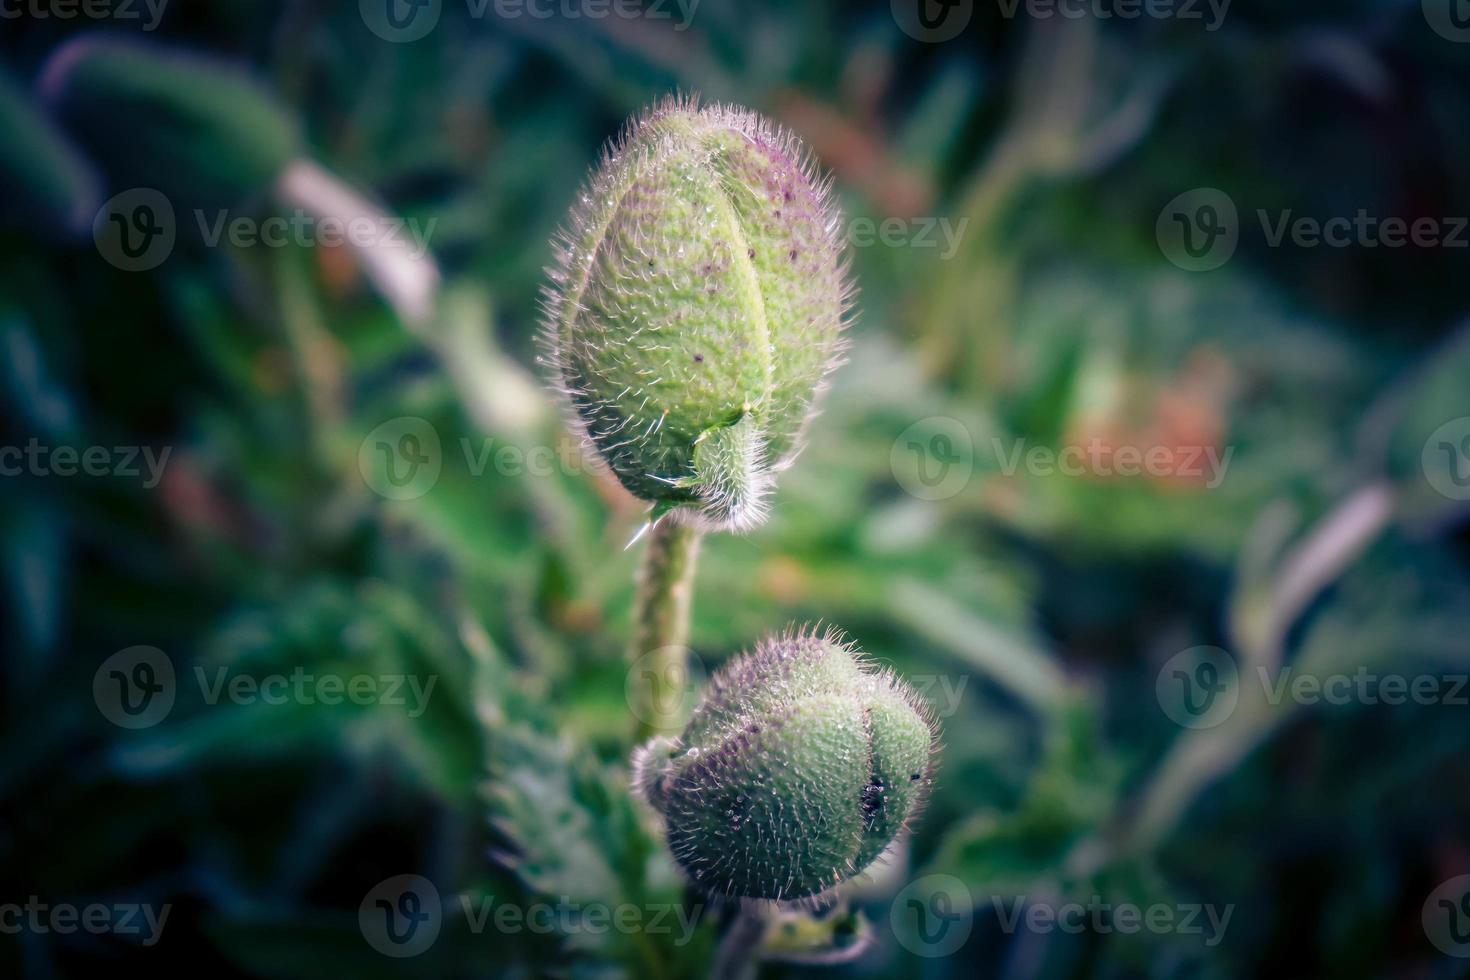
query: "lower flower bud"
801, 766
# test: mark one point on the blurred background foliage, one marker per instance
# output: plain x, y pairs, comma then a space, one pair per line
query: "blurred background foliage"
1053, 600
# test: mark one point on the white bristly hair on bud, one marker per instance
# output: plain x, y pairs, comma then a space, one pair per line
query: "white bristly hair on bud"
800, 768
696, 308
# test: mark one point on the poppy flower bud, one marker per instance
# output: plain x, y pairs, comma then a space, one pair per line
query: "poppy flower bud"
696, 308
798, 769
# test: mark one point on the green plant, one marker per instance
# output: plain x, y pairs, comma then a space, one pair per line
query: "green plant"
169, 119
698, 304
797, 770
51, 185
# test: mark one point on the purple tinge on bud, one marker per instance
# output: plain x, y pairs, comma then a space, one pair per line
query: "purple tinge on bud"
697, 306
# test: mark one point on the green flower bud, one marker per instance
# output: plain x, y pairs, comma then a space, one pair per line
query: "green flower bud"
697, 306
800, 767
176, 122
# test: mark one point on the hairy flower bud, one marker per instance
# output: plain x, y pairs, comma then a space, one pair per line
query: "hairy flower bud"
798, 769
697, 306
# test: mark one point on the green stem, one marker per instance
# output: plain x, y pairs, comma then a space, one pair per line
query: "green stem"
736, 958
661, 626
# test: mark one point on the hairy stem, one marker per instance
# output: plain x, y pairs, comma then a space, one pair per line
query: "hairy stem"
736, 957
661, 626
